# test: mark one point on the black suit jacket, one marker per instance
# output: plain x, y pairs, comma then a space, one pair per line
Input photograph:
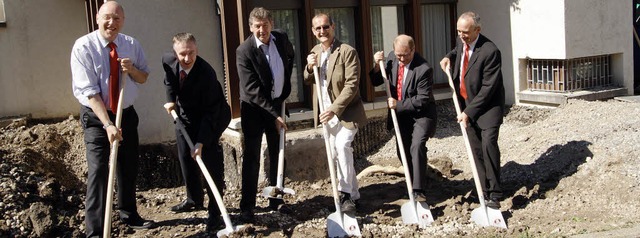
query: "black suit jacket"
483, 81
201, 102
417, 90
256, 80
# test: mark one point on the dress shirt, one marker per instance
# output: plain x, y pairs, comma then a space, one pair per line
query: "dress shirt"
277, 67
90, 67
470, 50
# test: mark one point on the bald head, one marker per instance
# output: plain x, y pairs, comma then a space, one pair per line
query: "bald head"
110, 19
404, 48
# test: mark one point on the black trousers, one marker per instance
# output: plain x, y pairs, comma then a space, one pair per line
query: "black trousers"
97, 152
255, 122
213, 159
486, 153
415, 133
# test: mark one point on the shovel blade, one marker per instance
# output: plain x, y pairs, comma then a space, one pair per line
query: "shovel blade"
486, 216
341, 226
228, 230
416, 213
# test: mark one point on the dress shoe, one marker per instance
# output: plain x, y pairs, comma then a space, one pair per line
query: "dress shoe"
346, 204
279, 205
214, 223
419, 196
138, 223
186, 207
247, 217
493, 203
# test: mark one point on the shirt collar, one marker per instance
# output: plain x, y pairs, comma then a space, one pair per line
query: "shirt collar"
272, 39
473, 44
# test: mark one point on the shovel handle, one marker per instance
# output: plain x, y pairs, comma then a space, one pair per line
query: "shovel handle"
403, 155
207, 176
474, 169
327, 144
113, 161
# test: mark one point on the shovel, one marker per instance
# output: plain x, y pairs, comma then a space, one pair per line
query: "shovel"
412, 212
279, 190
339, 224
113, 161
483, 215
229, 227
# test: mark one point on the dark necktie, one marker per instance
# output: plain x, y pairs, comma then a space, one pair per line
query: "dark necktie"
465, 65
114, 78
400, 79
183, 76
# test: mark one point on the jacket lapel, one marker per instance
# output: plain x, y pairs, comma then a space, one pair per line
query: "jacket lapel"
331, 62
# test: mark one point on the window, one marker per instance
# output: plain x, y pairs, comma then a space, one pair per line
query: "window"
387, 22
569, 75
287, 20
344, 22
437, 36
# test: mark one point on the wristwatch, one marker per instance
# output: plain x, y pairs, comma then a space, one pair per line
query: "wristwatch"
107, 125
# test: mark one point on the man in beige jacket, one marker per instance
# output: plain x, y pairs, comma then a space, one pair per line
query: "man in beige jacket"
339, 70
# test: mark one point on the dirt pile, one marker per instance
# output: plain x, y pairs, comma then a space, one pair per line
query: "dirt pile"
565, 171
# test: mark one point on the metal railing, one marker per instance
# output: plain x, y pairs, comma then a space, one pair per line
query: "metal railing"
568, 75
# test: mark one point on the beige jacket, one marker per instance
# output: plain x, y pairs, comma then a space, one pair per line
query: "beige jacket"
343, 73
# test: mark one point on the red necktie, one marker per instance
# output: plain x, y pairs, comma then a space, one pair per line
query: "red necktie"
183, 76
400, 79
465, 64
114, 78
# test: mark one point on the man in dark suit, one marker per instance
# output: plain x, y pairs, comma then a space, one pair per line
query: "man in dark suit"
478, 82
196, 95
265, 62
412, 97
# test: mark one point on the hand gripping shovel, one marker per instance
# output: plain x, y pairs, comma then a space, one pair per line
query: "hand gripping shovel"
229, 227
412, 212
279, 190
113, 162
483, 215
339, 224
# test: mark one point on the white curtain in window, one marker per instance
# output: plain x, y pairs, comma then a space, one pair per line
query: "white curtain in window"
436, 37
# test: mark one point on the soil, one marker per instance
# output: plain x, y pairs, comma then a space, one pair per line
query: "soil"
565, 171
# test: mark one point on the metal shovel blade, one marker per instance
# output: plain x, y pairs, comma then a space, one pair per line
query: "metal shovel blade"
417, 213
486, 216
347, 226
228, 230
275, 192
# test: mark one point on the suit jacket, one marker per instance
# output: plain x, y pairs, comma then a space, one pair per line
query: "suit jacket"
201, 102
483, 81
417, 90
343, 74
256, 80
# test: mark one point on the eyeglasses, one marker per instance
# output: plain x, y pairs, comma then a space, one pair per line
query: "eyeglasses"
323, 27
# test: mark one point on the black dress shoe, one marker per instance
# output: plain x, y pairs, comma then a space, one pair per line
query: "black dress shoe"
214, 223
346, 204
419, 196
493, 203
247, 217
138, 223
186, 207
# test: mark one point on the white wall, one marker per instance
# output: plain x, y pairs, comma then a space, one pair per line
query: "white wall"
154, 29
595, 27
35, 48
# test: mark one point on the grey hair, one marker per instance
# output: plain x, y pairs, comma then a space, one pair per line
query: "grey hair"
472, 16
